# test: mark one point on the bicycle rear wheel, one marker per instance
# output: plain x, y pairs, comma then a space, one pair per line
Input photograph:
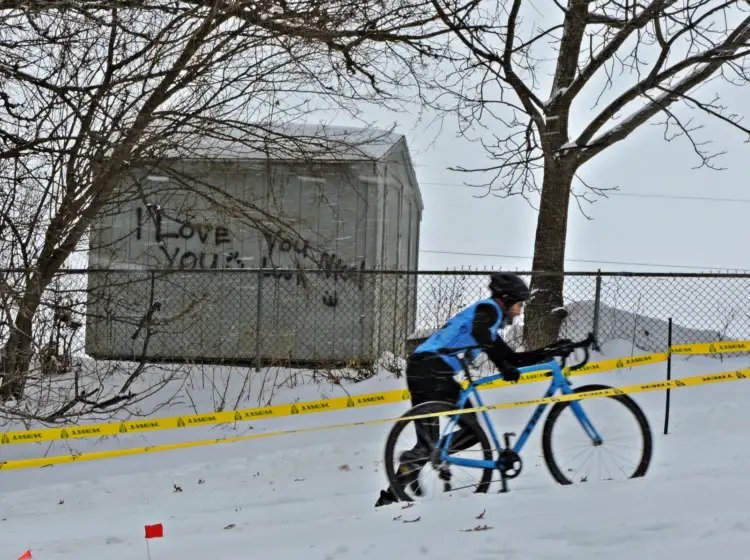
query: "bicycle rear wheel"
410, 483
612, 450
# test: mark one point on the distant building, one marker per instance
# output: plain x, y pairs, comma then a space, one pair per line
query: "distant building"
186, 239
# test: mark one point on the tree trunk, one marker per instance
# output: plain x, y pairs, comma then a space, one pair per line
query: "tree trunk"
19, 349
541, 325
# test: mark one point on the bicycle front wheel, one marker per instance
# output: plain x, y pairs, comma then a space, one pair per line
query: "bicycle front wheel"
411, 446
626, 446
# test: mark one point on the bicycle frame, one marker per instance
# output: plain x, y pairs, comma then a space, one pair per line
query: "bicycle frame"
558, 382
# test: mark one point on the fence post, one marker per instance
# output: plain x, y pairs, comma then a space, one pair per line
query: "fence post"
395, 323
669, 373
597, 300
258, 313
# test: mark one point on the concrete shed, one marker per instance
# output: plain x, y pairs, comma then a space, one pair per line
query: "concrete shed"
238, 250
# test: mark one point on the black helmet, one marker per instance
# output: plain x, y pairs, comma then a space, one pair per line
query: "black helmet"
509, 288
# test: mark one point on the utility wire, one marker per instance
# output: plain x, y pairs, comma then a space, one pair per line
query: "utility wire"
492, 255
632, 195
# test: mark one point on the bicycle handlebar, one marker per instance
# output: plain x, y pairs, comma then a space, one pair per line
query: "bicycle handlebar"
589, 342
561, 348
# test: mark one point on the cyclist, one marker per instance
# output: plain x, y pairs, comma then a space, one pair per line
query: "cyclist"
430, 376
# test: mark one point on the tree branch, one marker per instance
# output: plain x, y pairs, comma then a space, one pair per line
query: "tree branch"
710, 62
651, 12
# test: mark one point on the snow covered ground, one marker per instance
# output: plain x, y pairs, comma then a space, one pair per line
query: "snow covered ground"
311, 495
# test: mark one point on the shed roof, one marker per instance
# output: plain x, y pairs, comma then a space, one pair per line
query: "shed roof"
289, 142
293, 143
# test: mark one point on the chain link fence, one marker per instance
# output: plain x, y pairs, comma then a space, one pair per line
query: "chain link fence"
330, 319
630, 307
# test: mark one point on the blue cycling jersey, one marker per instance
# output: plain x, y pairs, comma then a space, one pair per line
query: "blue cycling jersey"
456, 333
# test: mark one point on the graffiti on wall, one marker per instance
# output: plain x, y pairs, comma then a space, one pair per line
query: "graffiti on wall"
298, 252
213, 253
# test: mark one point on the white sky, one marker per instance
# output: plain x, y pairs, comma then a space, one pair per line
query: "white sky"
659, 229
650, 221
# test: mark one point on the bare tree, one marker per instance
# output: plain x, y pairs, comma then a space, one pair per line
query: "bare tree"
91, 90
446, 296
637, 60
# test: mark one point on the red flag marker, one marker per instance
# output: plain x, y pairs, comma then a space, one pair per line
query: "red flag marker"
25, 556
154, 531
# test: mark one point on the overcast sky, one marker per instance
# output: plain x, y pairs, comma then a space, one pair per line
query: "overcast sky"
650, 221
665, 217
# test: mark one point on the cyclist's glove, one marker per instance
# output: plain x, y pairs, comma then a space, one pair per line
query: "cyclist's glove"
510, 373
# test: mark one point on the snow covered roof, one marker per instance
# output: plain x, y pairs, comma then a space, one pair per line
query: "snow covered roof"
289, 142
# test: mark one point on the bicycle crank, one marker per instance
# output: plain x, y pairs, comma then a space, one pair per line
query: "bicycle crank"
442, 468
509, 463
444, 474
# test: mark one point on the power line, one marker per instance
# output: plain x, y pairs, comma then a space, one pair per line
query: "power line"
681, 197
468, 254
633, 195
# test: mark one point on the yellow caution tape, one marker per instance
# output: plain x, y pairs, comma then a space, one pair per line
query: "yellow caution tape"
712, 347
325, 405
336, 403
115, 428
640, 388
594, 367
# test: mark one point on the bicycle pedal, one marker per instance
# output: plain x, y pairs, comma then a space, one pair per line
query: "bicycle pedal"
444, 474
503, 484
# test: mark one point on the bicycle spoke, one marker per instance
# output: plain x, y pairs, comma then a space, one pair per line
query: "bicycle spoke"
572, 457
415, 465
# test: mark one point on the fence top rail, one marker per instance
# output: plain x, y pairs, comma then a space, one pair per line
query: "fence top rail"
382, 272
385, 272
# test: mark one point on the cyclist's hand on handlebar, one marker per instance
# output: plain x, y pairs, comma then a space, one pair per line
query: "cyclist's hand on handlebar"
510, 373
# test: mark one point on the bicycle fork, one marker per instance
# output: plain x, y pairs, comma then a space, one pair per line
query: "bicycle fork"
588, 427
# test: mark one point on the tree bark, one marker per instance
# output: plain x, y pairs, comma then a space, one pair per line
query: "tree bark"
541, 325
18, 348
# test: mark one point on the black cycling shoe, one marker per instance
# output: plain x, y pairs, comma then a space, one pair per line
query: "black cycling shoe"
408, 475
410, 465
386, 497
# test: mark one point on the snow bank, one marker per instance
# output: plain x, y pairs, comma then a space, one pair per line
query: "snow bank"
643, 332
312, 495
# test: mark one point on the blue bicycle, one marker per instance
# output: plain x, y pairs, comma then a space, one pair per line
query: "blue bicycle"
438, 448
